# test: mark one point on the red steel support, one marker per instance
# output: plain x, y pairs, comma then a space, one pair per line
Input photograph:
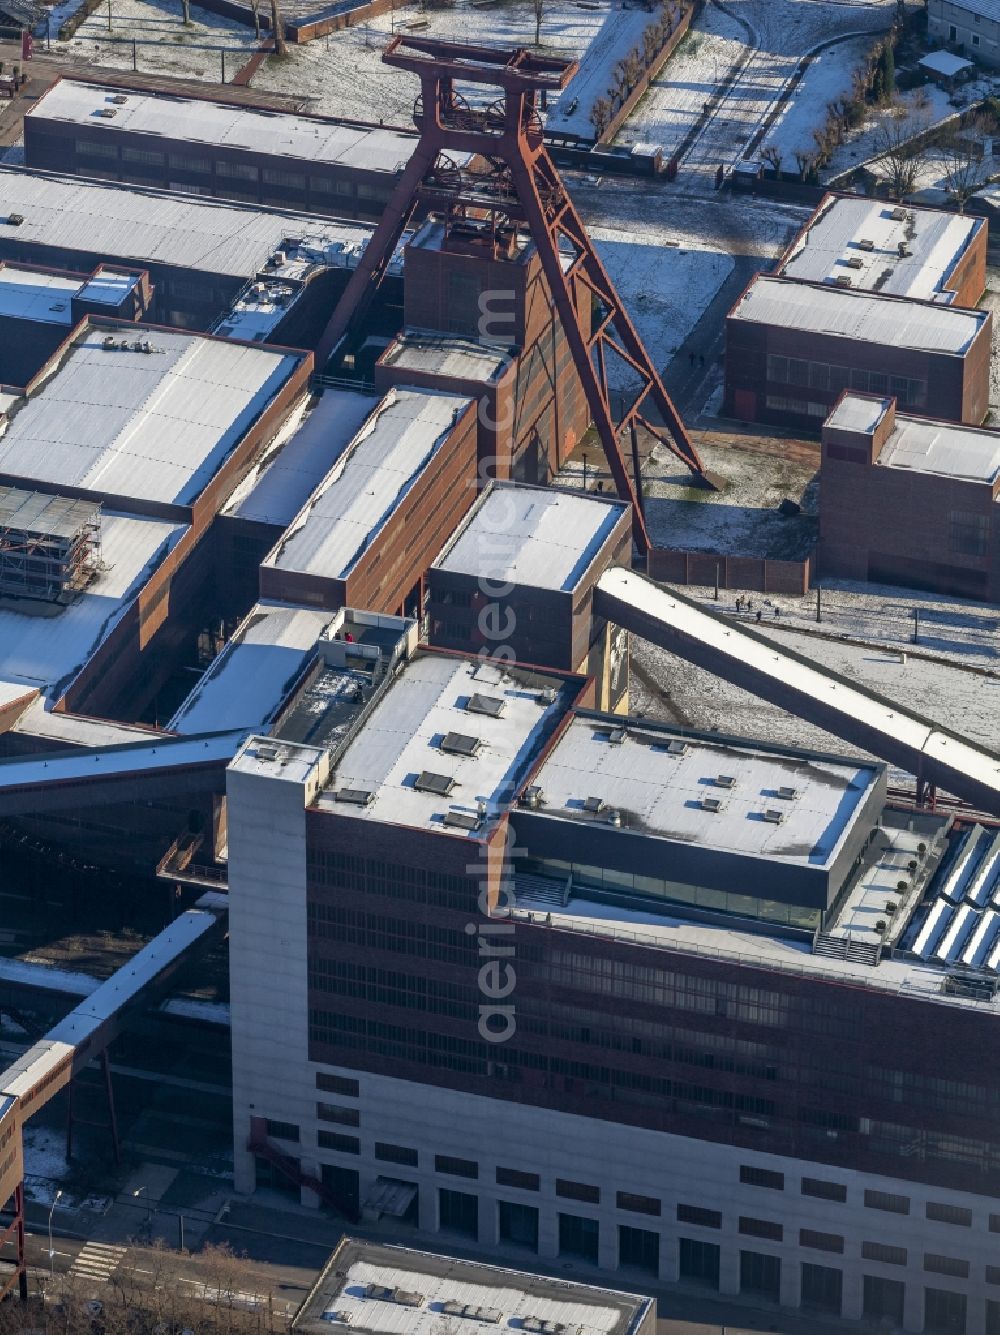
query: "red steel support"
520, 189
15, 1230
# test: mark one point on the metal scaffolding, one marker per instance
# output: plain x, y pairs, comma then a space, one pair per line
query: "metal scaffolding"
50, 546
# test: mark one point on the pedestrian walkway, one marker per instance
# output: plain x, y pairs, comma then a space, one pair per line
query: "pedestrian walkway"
98, 1261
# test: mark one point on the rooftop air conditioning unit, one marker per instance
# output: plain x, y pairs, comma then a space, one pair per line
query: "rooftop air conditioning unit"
855, 262
15, 219
119, 99
898, 214
613, 817
106, 113
534, 797
711, 804
774, 817
842, 280
724, 781
865, 244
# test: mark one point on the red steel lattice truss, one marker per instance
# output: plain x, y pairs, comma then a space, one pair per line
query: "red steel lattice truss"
519, 190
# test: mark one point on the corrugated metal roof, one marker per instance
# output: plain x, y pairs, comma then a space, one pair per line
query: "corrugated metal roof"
865, 317
32, 294
924, 446
226, 125
150, 425
446, 354
136, 225
368, 482
857, 412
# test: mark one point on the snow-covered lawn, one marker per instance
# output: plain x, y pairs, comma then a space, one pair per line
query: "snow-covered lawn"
621, 31
343, 74
828, 78
163, 44
922, 108
666, 289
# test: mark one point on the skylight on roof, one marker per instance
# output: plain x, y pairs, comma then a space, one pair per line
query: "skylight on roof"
490, 705
460, 744
429, 782
358, 797
462, 820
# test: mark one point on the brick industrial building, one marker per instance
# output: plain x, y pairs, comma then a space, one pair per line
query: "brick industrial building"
909, 501
886, 307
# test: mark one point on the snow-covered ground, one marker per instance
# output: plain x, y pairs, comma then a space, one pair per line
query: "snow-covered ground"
343, 74
758, 44
621, 31
163, 44
666, 288
920, 107
828, 78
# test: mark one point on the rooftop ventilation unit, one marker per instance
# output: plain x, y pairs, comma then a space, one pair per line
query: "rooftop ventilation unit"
15, 219
774, 817
471, 1312
898, 214
547, 697
724, 781
614, 817
536, 1325
712, 804
865, 244
842, 280
533, 797
616, 736
108, 342
676, 748
902, 250
787, 794
383, 1294
119, 99
355, 797
462, 820
460, 744
854, 262
428, 782
490, 705
594, 805
106, 113
267, 751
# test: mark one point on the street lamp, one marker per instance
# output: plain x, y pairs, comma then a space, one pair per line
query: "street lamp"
149, 1213
52, 1250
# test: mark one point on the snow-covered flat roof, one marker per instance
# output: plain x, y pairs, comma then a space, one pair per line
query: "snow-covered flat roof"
245, 686
225, 125
46, 651
866, 317
971, 454
537, 536
859, 239
359, 494
108, 288
657, 783
300, 457
858, 412
33, 294
151, 425
435, 353
138, 225
406, 737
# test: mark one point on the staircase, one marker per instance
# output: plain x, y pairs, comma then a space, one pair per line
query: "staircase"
847, 948
541, 890
291, 1168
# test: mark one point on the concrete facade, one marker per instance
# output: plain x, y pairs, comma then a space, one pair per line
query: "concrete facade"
972, 27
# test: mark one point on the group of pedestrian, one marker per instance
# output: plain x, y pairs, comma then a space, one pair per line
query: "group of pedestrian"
746, 605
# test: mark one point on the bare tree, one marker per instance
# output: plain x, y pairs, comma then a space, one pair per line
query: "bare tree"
899, 151
964, 162
278, 29
255, 6
539, 9
772, 156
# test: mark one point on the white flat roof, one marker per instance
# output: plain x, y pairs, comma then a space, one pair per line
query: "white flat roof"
402, 738
435, 353
107, 288
48, 651
935, 242
300, 457
498, 1291
366, 484
659, 792
866, 317
971, 454
537, 536
944, 62
32, 294
150, 426
134, 224
247, 683
200, 121
858, 412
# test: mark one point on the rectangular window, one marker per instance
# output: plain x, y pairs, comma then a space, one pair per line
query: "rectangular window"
761, 1177
333, 1140
577, 1191
513, 1177
94, 148
237, 171
626, 1200
332, 1112
337, 1084
878, 382
949, 1214
993, 1274
185, 162
880, 1251
395, 1153
885, 1200
798, 371
760, 1228
946, 1265
445, 1163
146, 156
995, 1223
276, 176
282, 1130
820, 1242
968, 534
826, 1191
819, 375
777, 368
694, 1214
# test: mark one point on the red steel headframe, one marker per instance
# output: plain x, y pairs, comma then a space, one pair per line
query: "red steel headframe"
525, 189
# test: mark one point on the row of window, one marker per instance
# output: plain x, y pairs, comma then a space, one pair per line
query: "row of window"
833, 379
